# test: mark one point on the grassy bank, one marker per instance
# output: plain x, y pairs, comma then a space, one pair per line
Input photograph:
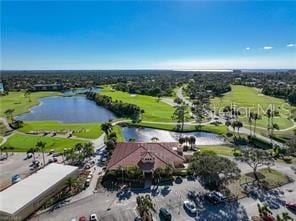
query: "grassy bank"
155, 110
249, 97
83, 130
21, 104
22, 143
118, 131
210, 128
218, 149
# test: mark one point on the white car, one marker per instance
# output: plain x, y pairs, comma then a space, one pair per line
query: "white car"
189, 205
93, 217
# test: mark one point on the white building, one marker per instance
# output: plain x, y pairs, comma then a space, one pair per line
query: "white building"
23, 198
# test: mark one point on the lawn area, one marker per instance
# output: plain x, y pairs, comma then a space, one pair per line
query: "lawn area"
218, 149
83, 130
270, 179
22, 142
21, 104
118, 131
250, 97
155, 110
3, 129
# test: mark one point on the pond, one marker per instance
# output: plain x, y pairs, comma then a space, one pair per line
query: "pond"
74, 109
145, 135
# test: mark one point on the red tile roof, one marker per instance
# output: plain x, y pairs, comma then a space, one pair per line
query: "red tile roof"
130, 153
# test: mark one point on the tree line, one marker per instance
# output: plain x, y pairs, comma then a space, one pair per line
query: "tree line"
121, 109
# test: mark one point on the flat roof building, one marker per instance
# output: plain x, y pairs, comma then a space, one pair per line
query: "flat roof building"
23, 198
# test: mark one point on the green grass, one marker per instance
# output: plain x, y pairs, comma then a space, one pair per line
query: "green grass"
21, 104
155, 110
22, 142
272, 178
83, 130
3, 129
118, 131
218, 149
249, 97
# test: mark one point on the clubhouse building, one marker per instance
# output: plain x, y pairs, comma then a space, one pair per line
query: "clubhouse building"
147, 156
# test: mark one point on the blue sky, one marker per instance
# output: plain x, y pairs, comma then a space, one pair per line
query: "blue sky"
148, 35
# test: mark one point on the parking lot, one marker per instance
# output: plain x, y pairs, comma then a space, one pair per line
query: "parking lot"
17, 163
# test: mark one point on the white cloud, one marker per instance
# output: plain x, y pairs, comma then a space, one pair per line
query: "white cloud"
248, 48
290, 45
267, 47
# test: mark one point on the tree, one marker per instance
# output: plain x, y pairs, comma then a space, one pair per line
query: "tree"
213, 170
284, 217
192, 141
255, 117
255, 158
290, 150
9, 114
181, 115
5, 148
227, 124
144, 206
181, 140
239, 125
28, 95
251, 117
70, 183
40, 146
106, 127
265, 213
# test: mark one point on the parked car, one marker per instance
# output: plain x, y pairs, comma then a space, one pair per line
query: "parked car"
138, 218
291, 206
93, 217
195, 197
164, 213
82, 218
190, 206
16, 178
216, 197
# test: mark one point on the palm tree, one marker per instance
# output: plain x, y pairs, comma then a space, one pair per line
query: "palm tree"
180, 115
70, 183
250, 122
268, 113
227, 124
239, 125
5, 148
181, 140
144, 205
87, 150
11, 149
106, 127
263, 210
233, 125
9, 114
255, 117
28, 95
78, 147
284, 217
40, 146
192, 141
